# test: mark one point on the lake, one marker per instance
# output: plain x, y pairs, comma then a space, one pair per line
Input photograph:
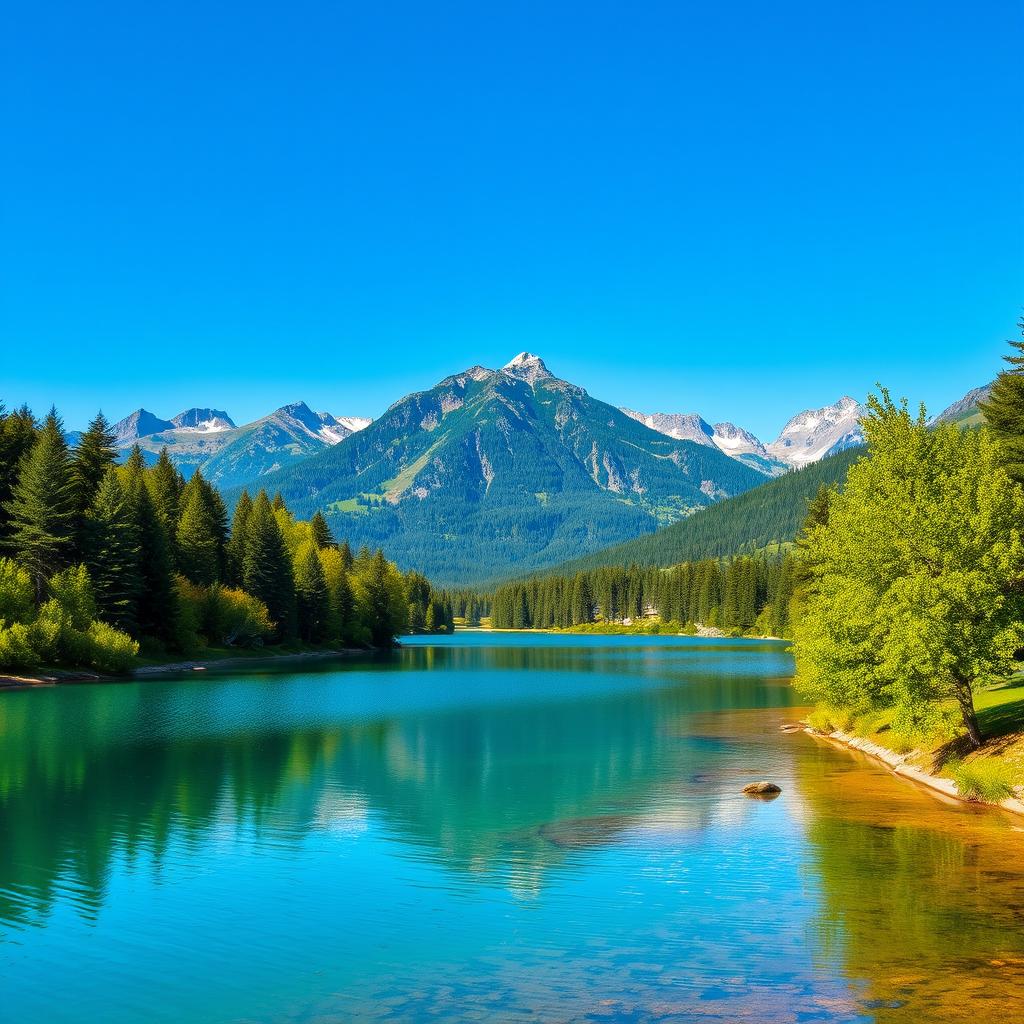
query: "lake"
487, 827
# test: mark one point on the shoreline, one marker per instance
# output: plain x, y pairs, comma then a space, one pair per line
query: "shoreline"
898, 764
59, 677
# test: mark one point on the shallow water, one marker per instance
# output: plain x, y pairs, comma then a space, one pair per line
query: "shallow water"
487, 827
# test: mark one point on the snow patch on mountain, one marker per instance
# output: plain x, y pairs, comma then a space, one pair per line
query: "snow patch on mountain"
815, 433
526, 366
203, 421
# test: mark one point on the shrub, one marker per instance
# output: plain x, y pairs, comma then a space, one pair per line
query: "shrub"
16, 647
110, 650
981, 780
16, 597
235, 617
820, 721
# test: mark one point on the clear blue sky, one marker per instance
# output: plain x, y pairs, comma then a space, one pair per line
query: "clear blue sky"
741, 209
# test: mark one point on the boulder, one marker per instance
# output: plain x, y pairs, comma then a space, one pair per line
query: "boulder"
762, 789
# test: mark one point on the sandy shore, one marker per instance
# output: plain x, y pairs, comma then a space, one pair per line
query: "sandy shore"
900, 765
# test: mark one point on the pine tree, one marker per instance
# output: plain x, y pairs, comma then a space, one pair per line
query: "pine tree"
311, 596
18, 431
198, 538
157, 604
278, 501
42, 506
237, 541
1004, 410
322, 536
111, 549
267, 569
346, 556
90, 462
384, 611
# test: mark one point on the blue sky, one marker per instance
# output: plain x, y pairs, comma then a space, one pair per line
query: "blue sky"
740, 209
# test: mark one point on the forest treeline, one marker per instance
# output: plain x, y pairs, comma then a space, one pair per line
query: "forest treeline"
101, 559
737, 595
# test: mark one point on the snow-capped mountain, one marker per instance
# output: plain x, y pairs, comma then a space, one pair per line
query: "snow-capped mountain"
815, 433
203, 421
526, 366
734, 441
321, 425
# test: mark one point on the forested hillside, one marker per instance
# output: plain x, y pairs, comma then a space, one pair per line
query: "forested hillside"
492, 471
100, 560
769, 514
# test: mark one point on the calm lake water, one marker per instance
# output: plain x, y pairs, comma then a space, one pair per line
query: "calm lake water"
490, 828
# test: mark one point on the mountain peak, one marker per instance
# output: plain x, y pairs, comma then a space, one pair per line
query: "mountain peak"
203, 421
528, 367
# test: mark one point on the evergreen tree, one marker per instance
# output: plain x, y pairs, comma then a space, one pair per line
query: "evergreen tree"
267, 569
90, 462
42, 509
237, 541
17, 436
112, 553
311, 596
346, 556
383, 603
198, 537
1004, 410
278, 501
157, 605
322, 536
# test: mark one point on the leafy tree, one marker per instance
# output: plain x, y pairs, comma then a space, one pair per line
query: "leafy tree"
267, 569
1004, 410
916, 577
16, 593
42, 507
111, 542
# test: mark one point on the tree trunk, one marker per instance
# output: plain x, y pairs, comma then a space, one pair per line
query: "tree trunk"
965, 698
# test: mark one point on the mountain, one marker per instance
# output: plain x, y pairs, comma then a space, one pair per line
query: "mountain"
766, 515
203, 421
138, 424
288, 435
967, 410
208, 439
512, 467
815, 433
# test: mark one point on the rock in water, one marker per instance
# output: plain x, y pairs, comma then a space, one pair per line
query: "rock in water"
762, 789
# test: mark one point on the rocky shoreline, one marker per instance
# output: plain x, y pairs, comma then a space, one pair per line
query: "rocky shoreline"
899, 764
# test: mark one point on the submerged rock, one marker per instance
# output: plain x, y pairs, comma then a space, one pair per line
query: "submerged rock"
762, 789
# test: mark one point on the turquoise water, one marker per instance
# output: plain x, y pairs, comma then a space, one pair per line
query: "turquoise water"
485, 827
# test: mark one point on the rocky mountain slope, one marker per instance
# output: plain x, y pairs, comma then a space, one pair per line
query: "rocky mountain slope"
208, 439
815, 433
513, 466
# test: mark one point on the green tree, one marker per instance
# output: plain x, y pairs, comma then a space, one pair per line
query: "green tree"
381, 599
111, 543
199, 536
90, 462
237, 541
1004, 410
17, 436
42, 507
267, 568
322, 535
311, 595
915, 601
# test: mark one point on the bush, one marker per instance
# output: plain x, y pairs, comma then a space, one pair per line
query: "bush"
110, 650
234, 617
16, 647
16, 597
820, 721
981, 780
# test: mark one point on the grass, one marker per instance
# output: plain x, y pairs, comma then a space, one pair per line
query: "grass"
988, 773
989, 780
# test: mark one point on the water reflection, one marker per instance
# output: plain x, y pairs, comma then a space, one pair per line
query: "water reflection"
553, 828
